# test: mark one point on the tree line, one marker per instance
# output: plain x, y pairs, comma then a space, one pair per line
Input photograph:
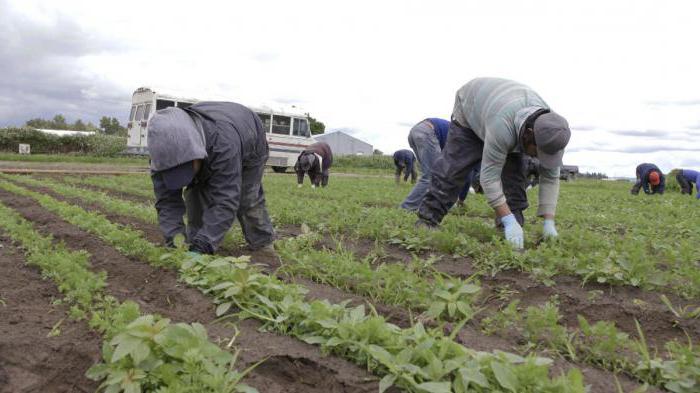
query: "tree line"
108, 125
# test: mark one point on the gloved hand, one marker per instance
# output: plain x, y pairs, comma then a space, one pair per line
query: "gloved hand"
513, 231
194, 255
299, 185
549, 230
313, 186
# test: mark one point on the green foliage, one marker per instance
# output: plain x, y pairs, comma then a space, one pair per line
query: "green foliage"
316, 127
98, 145
111, 126
142, 352
151, 354
417, 359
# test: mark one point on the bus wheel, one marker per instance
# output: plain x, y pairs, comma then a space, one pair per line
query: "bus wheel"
279, 169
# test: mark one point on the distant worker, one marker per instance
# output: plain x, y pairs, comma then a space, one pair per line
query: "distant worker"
650, 178
427, 139
316, 160
686, 178
496, 121
404, 162
216, 151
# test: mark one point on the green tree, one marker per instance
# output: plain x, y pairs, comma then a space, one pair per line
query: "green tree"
316, 126
78, 126
111, 126
59, 123
378, 152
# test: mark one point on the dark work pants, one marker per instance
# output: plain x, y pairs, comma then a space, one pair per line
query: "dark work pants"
686, 186
406, 172
460, 156
252, 214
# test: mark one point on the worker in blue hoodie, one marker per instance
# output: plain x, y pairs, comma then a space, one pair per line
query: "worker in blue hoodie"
404, 162
427, 139
686, 178
650, 178
216, 152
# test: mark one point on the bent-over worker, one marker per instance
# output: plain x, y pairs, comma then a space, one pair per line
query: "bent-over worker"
427, 139
316, 160
216, 151
404, 162
650, 179
686, 178
496, 121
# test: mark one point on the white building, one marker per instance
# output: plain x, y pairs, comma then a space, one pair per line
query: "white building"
343, 144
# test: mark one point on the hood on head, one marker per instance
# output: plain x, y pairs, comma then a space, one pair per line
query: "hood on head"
174, 139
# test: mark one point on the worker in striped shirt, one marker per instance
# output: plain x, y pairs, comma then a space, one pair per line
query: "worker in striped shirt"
497, 121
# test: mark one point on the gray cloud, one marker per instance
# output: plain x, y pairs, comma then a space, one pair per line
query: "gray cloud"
695, 126
583, 127
406, 124
42, 75
288, 100
643, 133
632, 149
689, 102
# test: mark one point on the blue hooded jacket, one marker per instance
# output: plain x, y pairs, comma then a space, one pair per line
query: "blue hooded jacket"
643, 171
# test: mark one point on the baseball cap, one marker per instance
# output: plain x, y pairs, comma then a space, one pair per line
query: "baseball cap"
552, 134
654, 178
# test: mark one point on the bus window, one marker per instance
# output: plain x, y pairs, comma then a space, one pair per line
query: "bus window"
266, 121
162, 104
280, 124
183, 105
133, 112
139, 112
301, 128
146, 112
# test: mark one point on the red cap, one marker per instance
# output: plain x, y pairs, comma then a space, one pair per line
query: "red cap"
654, 178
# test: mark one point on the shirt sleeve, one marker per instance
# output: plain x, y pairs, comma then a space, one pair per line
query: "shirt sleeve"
549, 191
492, 162
170, 207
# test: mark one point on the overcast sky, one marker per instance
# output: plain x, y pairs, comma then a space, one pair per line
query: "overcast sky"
626, 74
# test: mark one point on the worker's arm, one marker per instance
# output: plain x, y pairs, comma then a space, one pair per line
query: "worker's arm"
493, 160
223, 190
549, 192
170, 207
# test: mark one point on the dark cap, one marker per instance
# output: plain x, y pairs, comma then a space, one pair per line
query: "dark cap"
552, 134
178, 177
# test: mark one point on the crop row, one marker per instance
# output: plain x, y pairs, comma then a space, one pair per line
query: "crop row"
601, 238
420, 288
415, 358
140, 352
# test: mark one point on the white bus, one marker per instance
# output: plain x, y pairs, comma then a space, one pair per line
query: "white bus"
288, 131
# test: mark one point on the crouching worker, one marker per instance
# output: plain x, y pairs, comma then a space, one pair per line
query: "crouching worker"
216, 151
496, 121
316, 160
650, 178
686, 178
427, 139
404, 162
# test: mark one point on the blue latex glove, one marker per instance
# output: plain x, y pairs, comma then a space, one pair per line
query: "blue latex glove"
549, 230
513, 231
194, 255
